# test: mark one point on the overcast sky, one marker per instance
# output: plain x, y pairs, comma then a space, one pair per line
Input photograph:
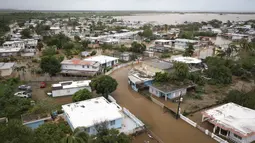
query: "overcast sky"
164, 5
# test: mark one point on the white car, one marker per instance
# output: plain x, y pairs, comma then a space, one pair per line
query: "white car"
23, 94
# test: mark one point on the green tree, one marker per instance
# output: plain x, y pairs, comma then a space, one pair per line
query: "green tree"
43, 106
246, 99
78, 136
189, 51
15, 132
181, 70
26, 33
39, 46
219, 74
93, 53
80, 95
105, 135
161, 77
104, 85
50, 64
77, 38
85, 43
137, 47
58, 40
49, 51
52, 132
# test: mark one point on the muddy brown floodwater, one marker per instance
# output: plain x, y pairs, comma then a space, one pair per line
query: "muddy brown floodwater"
165, 126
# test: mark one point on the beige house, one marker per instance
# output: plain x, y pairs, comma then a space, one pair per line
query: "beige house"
6, 69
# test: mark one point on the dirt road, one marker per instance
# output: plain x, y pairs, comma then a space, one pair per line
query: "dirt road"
162, 124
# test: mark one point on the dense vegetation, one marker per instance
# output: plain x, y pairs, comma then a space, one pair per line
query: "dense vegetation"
59, 132
12, 106
104, 85
81, 95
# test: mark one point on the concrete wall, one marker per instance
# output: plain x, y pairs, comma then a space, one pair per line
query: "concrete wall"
79, 67
170, 95
117, 125
133, 85
68, 121
6, 72
69, 91
28, 54
243, 140
152, 69
35, 125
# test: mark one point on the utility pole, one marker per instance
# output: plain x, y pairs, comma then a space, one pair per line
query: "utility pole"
179, 103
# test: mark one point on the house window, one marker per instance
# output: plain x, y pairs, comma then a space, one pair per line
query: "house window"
112, 123
87, 66
83, 66
238, 137
87, 129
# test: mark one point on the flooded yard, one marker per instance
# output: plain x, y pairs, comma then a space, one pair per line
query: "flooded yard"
167, 128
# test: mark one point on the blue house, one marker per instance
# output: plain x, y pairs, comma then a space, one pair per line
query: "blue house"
34, 121
168, 91
138, 80
142, 76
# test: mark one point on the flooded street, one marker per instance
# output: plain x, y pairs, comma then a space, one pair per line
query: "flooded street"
175, 18
164, 125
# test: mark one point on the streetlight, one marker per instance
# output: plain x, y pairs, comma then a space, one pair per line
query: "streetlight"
178, 109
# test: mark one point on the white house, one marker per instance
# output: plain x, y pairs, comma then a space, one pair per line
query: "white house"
69, 87
80, 67
55, 29
125, 56
105, 61
6, 69
88, 114
148, 53
30, 42
232, 121
5, 52
162, 42
14, 44
182, 44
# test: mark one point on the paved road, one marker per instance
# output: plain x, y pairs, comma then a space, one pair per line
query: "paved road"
162, 124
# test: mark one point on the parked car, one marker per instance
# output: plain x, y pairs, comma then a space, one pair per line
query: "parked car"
42, 85
23, 94
25, 87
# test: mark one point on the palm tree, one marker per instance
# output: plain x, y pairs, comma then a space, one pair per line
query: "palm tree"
166, 27
189, 51
245, 46
78, 136
17, 69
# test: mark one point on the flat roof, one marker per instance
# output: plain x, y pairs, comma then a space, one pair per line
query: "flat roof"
70, 84
6, 65
12, 42
168, 87
233, 117
187, 60
90, 112
156, 63
163, 40
186, 40
75, 61
140, 75
9, 50
102, 59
